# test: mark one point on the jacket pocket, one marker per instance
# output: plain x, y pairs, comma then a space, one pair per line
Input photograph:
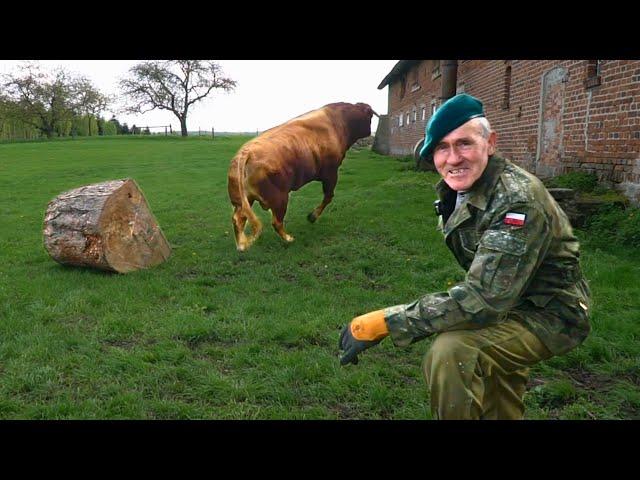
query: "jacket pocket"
468, 241
498, 261
503, 242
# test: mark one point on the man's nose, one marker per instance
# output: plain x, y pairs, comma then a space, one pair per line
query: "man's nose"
454, 156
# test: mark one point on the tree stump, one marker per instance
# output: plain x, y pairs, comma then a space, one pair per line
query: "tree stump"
106, 225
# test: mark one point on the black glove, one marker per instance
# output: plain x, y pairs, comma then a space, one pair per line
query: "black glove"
352, 346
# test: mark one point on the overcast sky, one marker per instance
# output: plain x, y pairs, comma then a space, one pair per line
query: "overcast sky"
268, 93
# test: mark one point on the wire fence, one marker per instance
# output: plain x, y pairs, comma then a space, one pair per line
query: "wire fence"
9, 134
168, 130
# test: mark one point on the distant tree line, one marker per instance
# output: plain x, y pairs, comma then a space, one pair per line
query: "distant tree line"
35, 104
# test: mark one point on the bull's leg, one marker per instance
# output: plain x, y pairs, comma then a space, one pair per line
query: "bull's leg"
256, 226
328, 186
277, 220
239, 222
240, 217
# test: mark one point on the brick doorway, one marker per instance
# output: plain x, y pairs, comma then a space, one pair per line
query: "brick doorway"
550, 130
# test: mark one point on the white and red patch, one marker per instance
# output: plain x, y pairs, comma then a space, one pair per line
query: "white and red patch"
516, 219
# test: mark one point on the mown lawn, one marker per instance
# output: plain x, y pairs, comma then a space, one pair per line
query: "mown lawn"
215, 334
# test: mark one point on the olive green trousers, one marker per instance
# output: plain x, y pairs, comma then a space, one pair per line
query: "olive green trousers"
482, 373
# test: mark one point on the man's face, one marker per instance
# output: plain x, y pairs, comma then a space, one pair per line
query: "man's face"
462, 155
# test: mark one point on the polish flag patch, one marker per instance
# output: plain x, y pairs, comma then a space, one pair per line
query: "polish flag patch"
516, 219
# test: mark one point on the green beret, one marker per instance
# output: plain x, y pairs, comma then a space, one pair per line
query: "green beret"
453, 113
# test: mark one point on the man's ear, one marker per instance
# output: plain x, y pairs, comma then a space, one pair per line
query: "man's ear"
492, 143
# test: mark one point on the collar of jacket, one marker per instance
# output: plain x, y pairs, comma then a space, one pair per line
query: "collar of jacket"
481, 190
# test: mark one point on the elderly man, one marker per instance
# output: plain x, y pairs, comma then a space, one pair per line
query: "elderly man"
523, 298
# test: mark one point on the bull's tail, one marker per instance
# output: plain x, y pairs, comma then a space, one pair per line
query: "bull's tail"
242, 208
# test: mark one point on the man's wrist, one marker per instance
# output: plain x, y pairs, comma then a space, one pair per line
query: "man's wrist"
396, 320
395, 315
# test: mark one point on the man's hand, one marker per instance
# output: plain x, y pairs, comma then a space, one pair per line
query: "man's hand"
363, 332
351, 346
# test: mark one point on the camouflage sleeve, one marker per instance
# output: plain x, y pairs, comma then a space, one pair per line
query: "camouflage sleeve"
505, 261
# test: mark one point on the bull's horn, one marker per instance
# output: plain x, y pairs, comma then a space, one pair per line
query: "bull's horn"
374, 112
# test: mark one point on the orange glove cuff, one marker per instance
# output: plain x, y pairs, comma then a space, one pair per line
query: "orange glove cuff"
370, 326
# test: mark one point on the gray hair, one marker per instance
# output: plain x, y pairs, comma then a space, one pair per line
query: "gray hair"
484, 125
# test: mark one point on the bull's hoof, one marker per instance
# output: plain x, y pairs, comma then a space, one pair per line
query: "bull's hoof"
312, 217
242, 248
288, 238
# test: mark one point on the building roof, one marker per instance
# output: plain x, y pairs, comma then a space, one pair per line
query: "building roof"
398, 70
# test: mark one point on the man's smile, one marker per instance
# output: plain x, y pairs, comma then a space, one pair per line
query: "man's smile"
456, 172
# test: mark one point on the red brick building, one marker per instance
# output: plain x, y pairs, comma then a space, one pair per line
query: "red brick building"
552, 116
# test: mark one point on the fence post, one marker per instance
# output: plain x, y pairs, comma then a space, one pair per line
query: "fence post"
170, 130
212, 133
165, 130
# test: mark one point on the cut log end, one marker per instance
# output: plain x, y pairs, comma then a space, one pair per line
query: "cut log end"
108, 226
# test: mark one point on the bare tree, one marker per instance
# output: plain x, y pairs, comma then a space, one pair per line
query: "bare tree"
172, 85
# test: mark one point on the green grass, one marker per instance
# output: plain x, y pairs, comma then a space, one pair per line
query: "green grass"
215, 334
580, 181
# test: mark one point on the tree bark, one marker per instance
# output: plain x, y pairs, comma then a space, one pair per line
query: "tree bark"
107, 226
47, 131
183, 126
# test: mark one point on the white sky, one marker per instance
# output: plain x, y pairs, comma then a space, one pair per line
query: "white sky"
268, 92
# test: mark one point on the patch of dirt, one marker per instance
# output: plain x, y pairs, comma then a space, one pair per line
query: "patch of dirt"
127, 344
188, 275
375, 286
212, 338
630, 412
583, 379
340, 277
633, 377
306, 342
345, 412
409, 380
209, 310
372, 282
593, 386
534, 382
317, 341
194, 341
214, 280
589, 380
78, 319
289, 277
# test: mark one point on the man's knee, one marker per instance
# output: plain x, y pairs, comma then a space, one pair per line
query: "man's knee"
450, 353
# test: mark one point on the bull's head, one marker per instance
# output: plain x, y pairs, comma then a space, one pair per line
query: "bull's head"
358, 118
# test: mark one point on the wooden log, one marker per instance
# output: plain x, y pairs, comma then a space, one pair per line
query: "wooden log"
106, 225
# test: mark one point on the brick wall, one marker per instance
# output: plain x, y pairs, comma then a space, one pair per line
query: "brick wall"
404, 138
598, 127
517, 126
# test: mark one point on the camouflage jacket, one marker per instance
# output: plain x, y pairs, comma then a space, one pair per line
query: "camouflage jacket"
520, 256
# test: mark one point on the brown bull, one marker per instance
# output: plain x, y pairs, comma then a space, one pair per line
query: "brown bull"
284, 158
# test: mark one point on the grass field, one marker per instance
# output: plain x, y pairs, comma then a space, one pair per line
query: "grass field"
215, 334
